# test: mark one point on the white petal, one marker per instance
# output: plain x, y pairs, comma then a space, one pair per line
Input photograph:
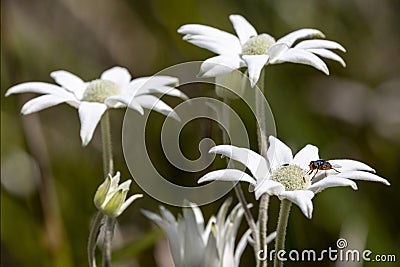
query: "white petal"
43, 102
128, 202
117, 75
320, 44
165, 90
278, 153
255, 63
144, 83
301, 198
301, 56
197, 29
305, 156
243, 28
69, 81
331, 181
276, 50
214, 44
39, 88
252, 160
269, 187
241, 246
154, 103
231, 175
90, 114
360, 175
328, 54
292, 37
219, 65
351, 165
125, 100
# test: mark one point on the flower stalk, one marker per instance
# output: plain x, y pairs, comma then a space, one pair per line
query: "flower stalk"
263, 146
281, 230
108, 165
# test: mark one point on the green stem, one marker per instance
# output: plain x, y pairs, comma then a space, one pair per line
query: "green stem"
108, 163
108, 236
108, 167
262, 144
262, 220
94, 232
261, 115
238, 189
281, 230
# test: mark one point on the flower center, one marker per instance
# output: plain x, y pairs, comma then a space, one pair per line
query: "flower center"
258, 45
292, 177
99, 90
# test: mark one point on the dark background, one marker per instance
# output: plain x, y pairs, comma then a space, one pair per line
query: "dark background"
49, 180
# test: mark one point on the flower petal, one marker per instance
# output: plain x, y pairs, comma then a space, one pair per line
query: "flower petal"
292, 37
301, 56
154, 103
39, 88
144, 83
241, 246
231, 175
270, 187
350, 165
128, 202
214, 44
45, 101
276, 50
165, 90
320, 44
117, 75
301, 198
360, 175
255, 63
305, 156
90, 114
69, 81
219, 65
124, 100
331, 181
252, 160
328, 54
242, 28
278, 153
197, 29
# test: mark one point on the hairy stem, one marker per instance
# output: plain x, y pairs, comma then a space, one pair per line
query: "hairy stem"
262, 144
108, 163
108, 236
262, 220
281, 230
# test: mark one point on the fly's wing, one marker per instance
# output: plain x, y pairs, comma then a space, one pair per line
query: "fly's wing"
335, 165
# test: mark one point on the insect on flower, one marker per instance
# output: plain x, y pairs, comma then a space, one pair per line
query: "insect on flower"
322, 164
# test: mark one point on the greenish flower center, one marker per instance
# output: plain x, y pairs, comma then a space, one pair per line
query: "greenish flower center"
258, 45
292, 177
99, 90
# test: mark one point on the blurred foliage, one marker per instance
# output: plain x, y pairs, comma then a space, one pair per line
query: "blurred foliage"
48, 179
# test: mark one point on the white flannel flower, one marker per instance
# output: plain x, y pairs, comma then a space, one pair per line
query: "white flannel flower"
192, 244
114, 89
110, 197
288, 177
254, 51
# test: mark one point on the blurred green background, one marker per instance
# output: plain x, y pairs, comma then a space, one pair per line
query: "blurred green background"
49, 180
